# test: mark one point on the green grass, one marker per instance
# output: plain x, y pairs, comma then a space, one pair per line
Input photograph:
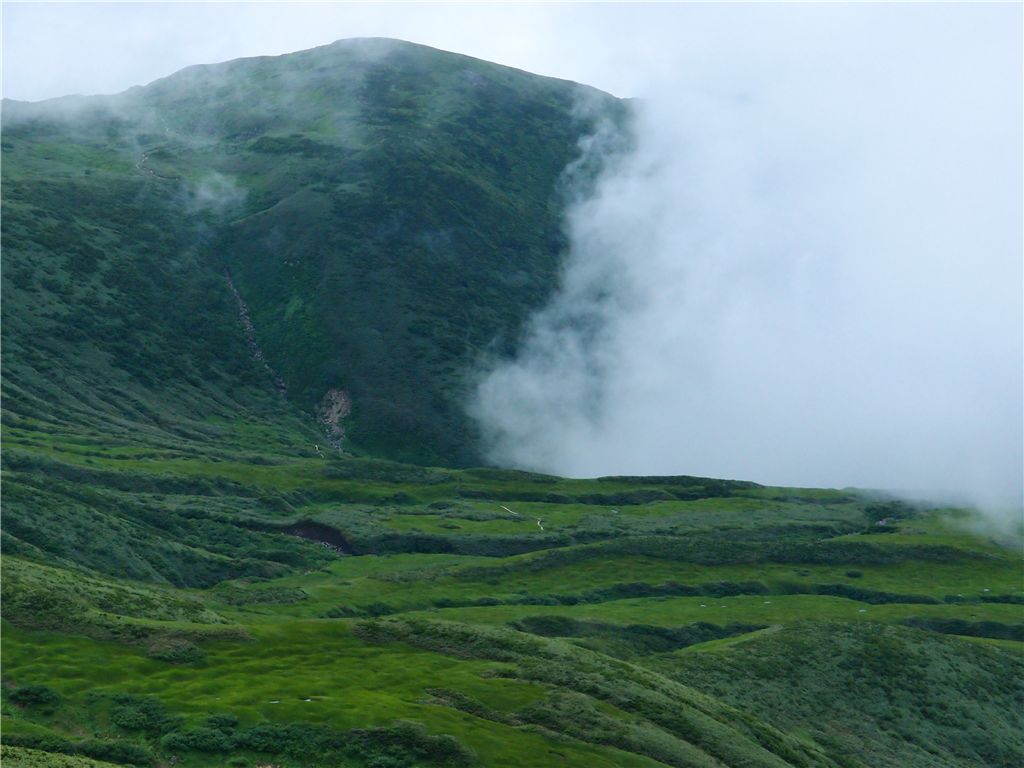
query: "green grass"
280, 651
20, 757
269, 678
230, 613
768, 609
886, 689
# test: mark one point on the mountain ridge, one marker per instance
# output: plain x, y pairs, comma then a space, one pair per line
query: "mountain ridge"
339, 43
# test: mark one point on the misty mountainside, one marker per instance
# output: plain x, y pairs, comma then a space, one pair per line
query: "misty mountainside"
389, 214
211, 282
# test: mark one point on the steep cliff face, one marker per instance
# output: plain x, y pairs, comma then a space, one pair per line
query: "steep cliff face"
388, 214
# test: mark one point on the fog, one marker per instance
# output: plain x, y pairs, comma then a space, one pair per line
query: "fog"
807, 273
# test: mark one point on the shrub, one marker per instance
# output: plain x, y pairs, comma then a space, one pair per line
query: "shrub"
403, 498
42, 742
224, 721
198, 740
124, 752
270, 738
993, 629
127, 752
175, 651
39, 697
143, 713
888, 510
351, 611
386, 761
409, 743
342, 612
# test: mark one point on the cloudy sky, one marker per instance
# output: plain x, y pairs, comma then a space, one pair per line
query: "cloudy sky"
810, 271
53, 49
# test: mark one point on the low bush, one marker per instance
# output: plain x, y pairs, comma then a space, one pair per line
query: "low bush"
992, 629
175, 651
224, 721
629, 640
42, 742
41, 698
120, 751
209, 740
359, 612
125, 752
871, 596
143, 713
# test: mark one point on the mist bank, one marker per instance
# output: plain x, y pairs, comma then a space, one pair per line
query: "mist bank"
803, 278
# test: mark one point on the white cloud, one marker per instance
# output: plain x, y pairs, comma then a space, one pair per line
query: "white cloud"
809, 273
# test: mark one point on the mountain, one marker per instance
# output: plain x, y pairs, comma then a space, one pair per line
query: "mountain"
388, 214
241, 308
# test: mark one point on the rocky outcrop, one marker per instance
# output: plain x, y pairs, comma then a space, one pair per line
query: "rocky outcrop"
334, 406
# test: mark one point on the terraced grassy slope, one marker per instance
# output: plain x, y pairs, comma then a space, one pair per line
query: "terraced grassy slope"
382, 614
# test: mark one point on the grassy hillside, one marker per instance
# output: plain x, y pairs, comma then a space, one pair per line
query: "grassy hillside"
304, 610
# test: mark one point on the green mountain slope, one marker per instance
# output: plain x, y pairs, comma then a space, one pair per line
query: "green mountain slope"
644, 622
385, 212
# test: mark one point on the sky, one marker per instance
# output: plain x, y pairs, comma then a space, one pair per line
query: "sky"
808, 272
56, 49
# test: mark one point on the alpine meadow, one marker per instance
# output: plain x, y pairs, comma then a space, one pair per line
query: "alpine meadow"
252, 516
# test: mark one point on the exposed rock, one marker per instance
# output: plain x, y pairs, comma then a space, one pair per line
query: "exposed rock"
250, 336
334, 406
